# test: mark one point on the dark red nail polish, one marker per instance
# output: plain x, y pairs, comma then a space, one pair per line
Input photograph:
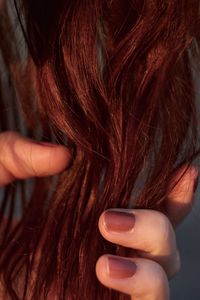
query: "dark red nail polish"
119, 221
120, 268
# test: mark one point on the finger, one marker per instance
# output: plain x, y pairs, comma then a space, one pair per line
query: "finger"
22, 158
147, 231
180, 200
140, 278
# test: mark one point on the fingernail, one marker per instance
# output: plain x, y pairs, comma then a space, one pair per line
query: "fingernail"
118, 221
120, 268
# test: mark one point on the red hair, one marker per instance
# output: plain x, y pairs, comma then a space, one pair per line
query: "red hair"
115, 82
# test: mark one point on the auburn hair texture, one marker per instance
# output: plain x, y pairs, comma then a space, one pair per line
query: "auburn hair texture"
116, 83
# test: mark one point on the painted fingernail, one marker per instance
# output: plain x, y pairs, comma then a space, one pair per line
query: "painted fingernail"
119, 268
118, 221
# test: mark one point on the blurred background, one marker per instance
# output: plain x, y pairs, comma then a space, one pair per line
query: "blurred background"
186, 284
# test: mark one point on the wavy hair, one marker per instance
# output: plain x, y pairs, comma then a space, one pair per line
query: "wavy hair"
115, 81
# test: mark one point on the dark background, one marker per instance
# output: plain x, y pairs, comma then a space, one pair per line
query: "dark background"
186, 284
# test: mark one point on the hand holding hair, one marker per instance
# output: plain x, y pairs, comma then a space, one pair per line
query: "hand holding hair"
119, 79
153, 257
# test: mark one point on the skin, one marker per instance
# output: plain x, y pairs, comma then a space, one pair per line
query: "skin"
153, 236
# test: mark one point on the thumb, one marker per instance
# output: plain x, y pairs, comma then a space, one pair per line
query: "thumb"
21, 158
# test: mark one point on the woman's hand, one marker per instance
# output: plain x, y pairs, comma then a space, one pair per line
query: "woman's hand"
153, 257
152, 234
21, 158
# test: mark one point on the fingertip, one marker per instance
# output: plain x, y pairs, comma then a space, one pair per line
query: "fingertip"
45, 158
102, 224
101, 221
181, 196
185, 185
60, 158
22, 157
140, 278
101, 269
